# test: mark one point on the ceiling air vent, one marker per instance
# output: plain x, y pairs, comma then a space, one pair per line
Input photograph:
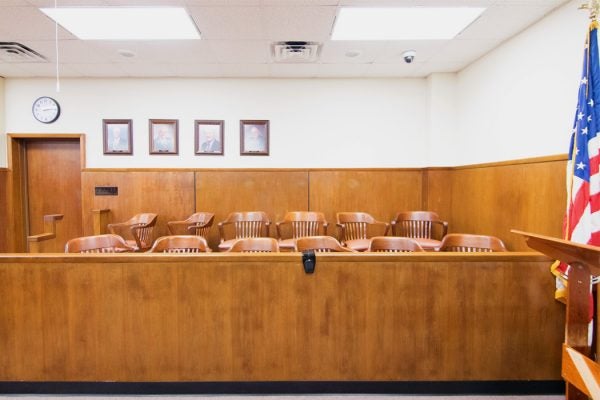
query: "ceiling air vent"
295, 52
12, 52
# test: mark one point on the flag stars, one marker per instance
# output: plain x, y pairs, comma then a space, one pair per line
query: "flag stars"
581, 165
584, 131
579, 116
589, 118
591, 102
576, 150
584, 80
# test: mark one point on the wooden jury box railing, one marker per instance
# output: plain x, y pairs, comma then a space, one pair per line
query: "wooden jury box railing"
250, 317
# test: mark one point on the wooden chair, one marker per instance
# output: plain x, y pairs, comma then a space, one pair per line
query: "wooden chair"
246, 224
320, 244
425, 227
462, 242
180, 244
98, 244
140, 228
393, 244
255, 245
356, 229
299, 224
197, 224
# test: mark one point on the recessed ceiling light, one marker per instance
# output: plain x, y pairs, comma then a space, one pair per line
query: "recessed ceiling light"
416, 23
125, 23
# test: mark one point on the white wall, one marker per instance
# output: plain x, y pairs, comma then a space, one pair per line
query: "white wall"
519, 100
313, 123
442, 120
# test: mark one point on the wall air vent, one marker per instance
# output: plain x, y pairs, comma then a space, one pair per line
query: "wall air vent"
12, 52
295, 52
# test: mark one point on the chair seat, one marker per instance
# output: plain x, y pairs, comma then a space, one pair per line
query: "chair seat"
132, 244
358, 244
428, 244
287, 244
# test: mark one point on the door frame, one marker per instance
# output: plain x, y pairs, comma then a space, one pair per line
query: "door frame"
17, 195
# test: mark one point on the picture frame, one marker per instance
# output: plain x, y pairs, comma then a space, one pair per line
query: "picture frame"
209, 138
254, 137
164, 136
117, 136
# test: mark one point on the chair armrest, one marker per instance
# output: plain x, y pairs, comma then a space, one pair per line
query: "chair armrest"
325, 226
341, 233
444, 225
278, 228
221, 226
267, 226
113, 228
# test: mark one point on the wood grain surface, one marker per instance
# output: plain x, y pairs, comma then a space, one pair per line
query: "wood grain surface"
226, 317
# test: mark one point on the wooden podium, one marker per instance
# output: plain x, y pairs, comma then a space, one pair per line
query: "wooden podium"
581, 374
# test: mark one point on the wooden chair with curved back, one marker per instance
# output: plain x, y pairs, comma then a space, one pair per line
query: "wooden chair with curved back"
181, 244
255, 245
197, 224
299, 224
425, 227
391, 244
462, 242
245, 224
137, 232
320, 244
108, 243
356, 229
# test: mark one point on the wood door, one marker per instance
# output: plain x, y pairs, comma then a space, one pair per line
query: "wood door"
53, 186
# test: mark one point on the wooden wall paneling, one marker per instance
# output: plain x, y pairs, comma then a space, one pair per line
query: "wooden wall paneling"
438, 196
492, 200
170, 194
223, 317
5, 210
381, 193
274, 192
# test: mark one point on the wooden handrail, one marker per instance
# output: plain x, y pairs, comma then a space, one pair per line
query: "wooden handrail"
584, 261
100, 217
49, 232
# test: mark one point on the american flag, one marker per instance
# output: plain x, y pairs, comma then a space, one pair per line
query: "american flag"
582, 220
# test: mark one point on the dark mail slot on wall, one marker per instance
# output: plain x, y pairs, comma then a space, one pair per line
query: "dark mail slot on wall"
107, 190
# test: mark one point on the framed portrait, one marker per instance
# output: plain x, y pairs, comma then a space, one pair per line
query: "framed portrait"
209, 137
164, 136
117, 135
254, 137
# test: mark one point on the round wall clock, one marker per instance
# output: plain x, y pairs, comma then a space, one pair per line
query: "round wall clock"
46, 110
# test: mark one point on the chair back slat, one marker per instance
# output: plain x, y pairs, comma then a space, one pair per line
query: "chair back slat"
255, 245
419, 224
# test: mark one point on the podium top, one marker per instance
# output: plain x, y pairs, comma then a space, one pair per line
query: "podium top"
564, 250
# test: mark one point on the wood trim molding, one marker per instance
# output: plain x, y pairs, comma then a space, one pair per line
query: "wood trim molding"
12, 136
532, 160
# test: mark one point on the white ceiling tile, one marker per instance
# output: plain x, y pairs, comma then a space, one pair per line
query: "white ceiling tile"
425, 50
68, 3
237, 52
391, 70
300, 2
342, 70
465, 51
239, 23
28, 23
148, 69
137, 3
335, 51
69, 51
104, 70
195, 70
299, 23
223, 3
13, 70
293, 70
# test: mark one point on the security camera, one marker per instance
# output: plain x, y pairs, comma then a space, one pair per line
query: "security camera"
409, 56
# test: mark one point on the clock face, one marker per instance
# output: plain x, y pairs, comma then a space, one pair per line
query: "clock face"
46, 110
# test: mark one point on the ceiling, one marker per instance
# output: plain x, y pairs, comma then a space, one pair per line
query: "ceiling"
237, 34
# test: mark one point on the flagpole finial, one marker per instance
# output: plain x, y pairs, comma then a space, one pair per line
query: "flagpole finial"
594, 8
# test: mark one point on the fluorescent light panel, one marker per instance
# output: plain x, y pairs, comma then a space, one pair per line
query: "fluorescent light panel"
125, 23
416, 23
